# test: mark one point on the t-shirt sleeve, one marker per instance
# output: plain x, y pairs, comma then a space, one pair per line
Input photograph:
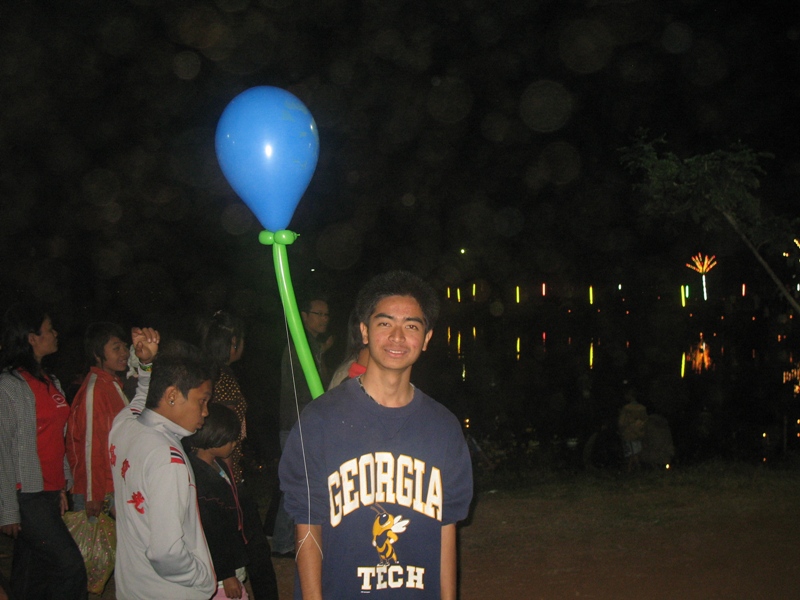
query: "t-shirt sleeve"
302, 472
457, 479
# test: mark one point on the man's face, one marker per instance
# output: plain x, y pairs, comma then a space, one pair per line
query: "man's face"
316, 319
396, 333
189, 412
115, 356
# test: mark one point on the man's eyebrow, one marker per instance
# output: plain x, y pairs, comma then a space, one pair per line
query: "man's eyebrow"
391, 318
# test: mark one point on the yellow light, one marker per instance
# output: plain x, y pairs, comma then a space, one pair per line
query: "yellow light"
591, 295
517, 294
463, 251
683, 297
591, 355
448, 336
474, 333
667, 467
474, 288
519, 343
463, 372
448, 292
458, 294
458, 343
544, 289
683, 365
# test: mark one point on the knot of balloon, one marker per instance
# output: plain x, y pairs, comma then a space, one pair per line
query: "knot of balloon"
283, 237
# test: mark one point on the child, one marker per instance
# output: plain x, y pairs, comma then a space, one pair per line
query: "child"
218, 498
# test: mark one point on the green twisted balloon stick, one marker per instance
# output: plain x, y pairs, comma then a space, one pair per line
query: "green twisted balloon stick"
279, 240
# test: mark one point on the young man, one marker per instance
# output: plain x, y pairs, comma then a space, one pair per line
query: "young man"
388, 470
98, 401
161, 548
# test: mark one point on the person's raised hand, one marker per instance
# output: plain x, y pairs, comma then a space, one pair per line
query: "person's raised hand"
145, 343
326, 345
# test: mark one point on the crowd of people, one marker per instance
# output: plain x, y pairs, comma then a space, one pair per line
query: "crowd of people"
374, 474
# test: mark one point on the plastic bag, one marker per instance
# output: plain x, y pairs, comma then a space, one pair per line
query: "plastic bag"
97, 541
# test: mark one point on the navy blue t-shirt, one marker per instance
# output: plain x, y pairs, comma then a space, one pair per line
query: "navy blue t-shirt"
382, 482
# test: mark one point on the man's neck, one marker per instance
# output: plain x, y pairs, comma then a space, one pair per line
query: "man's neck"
392, 389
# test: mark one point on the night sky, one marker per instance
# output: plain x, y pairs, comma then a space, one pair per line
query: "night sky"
489, 126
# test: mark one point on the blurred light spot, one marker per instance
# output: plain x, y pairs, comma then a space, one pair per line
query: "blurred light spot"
677, 38
487, 29
494, 127
186, 65
65, 154
545, 106
496, 308
112, 212
341, 72
403, 124
509, 221
706, 64
563, 162
232, 6
120, 35
339, 246
200, 27
585, 46
450, 100
408, 199
637, 66
108, 261
100, 186
236, 219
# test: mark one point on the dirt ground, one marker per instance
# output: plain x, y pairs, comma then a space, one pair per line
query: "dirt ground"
729, 539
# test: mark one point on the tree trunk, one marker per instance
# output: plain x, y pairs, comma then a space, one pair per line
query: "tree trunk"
781, 287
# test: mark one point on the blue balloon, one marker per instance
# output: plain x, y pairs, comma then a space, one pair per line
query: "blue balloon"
267, 146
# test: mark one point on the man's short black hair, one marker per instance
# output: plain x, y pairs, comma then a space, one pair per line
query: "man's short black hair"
398, 283
96, 337
304, 302
221, 427
181, 365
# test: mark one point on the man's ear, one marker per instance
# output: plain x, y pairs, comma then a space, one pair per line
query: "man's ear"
364, 334
427, 339
170, 395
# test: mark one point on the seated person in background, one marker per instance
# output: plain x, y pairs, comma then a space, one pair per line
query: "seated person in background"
218, 498
99, 399
161, 549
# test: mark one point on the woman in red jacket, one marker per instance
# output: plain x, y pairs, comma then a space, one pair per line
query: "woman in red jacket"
34, 474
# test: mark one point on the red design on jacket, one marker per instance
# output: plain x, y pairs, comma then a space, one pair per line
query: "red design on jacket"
125, 466
112, 453
137, 499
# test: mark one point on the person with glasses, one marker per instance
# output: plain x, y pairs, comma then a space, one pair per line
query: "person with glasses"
295, 395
